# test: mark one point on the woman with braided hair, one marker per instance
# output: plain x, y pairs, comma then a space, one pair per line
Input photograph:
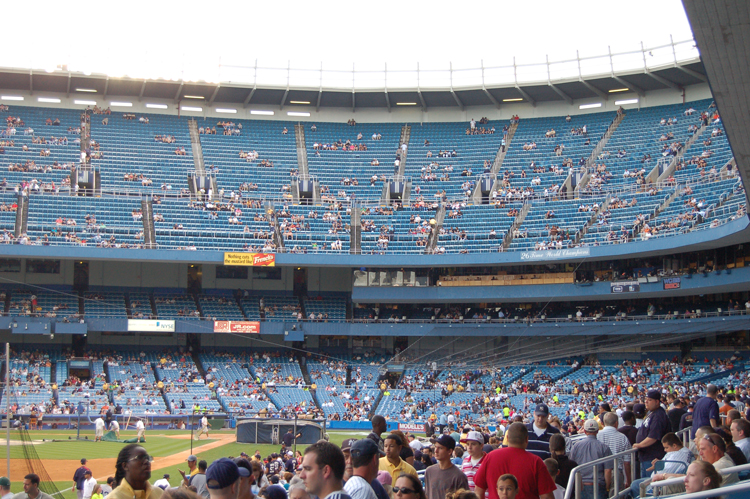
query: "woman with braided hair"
133, 470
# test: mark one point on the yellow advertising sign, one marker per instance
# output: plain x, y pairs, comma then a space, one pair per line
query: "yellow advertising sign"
250, 259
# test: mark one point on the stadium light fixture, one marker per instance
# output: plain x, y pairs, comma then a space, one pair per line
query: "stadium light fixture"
615, 90
590, 106
85, 102
193, 96
299, 102
517, 99
226, 110
121, 104
157, 106
406, 103
11, 97
296, 113
91, 90
263, 113
50, 100
626, 101
191, 108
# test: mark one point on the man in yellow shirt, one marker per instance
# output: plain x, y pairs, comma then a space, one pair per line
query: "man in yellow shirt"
392, 462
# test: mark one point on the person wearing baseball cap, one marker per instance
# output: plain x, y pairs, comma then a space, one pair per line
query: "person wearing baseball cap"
222, 479
444, 476
540, 432
163, 482
590, 449
365, 459
5, 492
192, 462
346, 448
654, 427
473, 459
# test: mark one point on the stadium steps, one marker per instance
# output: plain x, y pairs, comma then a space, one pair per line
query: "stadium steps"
149, 232
591, 160
355, 234
299, 136
195, 142
581, 233
197, 359
52, 372
669, 170
375, 404
500, 156
6, 305
128, 312
404, 139
515, 225
432, 242
22, 216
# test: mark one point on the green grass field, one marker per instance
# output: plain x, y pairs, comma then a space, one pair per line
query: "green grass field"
156, 444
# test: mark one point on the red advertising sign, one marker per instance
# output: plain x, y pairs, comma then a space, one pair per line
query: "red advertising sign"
236, 327
411, 427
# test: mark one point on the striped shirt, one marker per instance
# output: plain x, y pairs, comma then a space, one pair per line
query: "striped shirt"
470, 470
616, 441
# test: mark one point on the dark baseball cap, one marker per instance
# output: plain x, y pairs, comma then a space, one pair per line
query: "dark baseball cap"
541, 410
366, 447
83, 461
654, 394
221, 474
4, 481
191, 458
347, 444
639, 410
446, 441
276, 492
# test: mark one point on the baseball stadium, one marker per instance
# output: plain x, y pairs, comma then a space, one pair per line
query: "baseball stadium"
228, 271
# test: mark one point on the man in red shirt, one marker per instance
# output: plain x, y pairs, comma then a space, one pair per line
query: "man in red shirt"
534, 481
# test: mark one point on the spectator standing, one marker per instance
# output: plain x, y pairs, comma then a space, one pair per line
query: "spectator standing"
192, 462
365, 458
107, 487
590, 449
706, 411
31, 488
533, 479
473, 459
323, 471
199, 479
392, 462
378, 428
617, 442
444, 476
675, 414
628, 428
564, 464
79, 477
88, 485
223, 479
540, 432
654, 427
5, 492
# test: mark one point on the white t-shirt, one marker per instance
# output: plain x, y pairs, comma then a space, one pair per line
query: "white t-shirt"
559, 492
99, 424
162, 483
204, 422
88, 487
358, 488
139, 425
115, 425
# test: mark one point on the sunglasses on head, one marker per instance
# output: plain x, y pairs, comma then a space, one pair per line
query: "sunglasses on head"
403, 490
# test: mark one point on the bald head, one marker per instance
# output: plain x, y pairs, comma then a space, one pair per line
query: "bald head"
712, 390
518, 435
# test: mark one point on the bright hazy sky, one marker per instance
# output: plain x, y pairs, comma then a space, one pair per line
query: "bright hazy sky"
163, 38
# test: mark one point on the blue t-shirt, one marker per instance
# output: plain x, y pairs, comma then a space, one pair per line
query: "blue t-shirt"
705, 410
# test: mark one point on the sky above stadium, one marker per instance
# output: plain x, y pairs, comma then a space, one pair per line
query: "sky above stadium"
204, 41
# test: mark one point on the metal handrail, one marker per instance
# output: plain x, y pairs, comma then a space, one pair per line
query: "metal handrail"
725, 471
575, 474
